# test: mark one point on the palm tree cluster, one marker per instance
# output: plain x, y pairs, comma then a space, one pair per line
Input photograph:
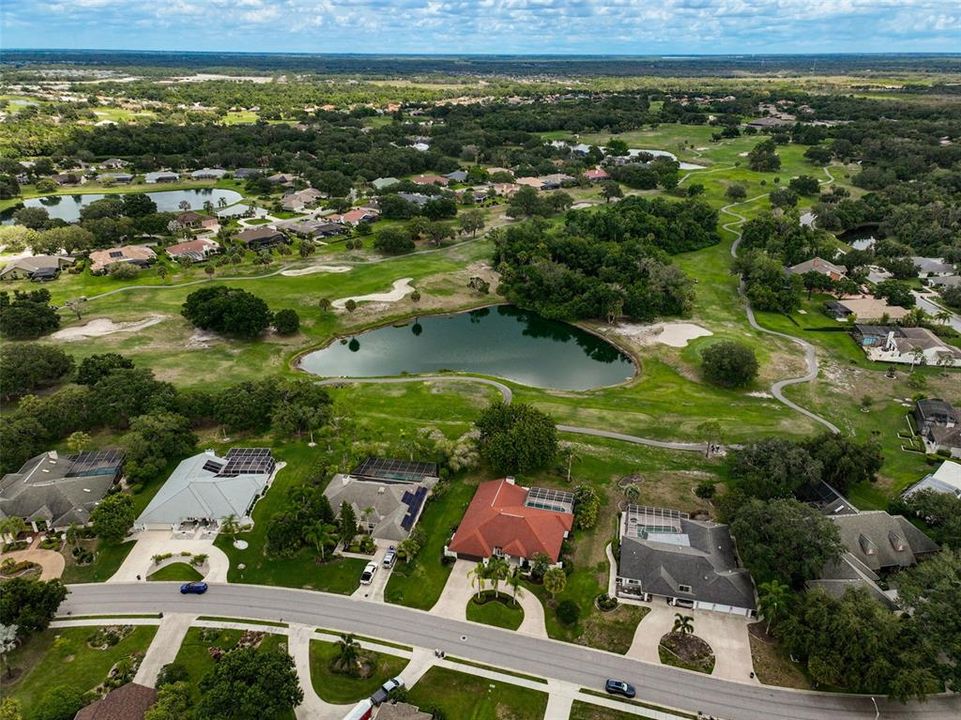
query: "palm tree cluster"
495, 571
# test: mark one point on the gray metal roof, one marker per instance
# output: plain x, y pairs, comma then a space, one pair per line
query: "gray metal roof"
199, 489
707, 563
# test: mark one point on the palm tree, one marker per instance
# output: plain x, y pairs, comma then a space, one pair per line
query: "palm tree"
570, 450
514, 581
632, 493
683, 624
478, 576
555, 581
321, 535
349, 652
497, 569
942, 317
229, 526
773, 598
12, 526
222, 202
367, 514
208, 206
73, 534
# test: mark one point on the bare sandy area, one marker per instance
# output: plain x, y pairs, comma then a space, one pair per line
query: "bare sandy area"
401, 289
674, 334
104, 326
317, 269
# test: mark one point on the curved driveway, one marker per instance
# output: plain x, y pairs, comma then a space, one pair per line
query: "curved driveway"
685, 690
810, 354
508, 395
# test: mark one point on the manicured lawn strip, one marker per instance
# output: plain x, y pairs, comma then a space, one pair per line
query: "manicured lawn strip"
421, 581
339, 575
176, 571
462, 661
49, 662
581, 710
117, 616
502, 613
637, 703
467, 697
247, 621
108, 558
341, 689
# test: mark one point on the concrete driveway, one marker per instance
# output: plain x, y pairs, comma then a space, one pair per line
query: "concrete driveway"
157, 542
375, 591
51, 562
726, 634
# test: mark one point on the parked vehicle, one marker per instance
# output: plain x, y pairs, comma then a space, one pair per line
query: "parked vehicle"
193, 588
367, 576
619, 687
391, 557
384, 691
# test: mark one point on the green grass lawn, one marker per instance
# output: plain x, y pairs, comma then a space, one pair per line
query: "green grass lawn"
501, 612
341, 689
467, 697
581, 710
420, 582
194, 654
61, 657
301, 571
108, 557
176, 571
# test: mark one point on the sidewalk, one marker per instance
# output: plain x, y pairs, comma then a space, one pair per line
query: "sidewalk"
164, 648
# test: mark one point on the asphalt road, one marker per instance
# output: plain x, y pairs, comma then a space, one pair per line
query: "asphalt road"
500, 648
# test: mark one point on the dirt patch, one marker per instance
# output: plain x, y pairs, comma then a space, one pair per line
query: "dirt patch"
201, 340
686, 651
105, 326
673, 334
772, 665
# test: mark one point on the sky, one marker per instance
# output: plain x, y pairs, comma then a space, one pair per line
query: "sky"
616, 27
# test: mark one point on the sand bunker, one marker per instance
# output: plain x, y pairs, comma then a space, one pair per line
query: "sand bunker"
675, 334
401, 289
317, 269
104, 326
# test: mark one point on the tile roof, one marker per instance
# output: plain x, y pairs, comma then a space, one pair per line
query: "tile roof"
498, 518
817, 265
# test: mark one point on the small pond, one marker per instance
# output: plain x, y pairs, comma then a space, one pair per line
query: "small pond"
503, 341
67, 207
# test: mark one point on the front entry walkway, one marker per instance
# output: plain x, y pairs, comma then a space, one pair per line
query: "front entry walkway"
726, 634
164, 648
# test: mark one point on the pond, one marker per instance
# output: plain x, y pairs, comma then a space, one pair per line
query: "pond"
67, 207
503, 341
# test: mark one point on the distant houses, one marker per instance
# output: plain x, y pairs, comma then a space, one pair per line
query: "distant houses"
689, 563
208, 174
818, 265
866, 308
194, 250
102, 260
161, 176
298, 200
939, 424
39, 268
259, 238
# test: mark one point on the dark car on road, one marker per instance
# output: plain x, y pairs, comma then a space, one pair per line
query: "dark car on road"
193, 588
619, 687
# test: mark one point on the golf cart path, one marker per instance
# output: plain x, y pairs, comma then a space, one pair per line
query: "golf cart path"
508, 395
810, 353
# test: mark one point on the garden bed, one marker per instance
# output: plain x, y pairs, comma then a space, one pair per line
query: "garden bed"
500, 610
339, 688
686, 651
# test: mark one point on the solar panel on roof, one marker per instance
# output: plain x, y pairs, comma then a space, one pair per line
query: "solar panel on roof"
213, 466
395, 470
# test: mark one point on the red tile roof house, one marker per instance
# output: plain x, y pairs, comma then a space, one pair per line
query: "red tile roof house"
596, 174
430, 180
357, 216
500, 521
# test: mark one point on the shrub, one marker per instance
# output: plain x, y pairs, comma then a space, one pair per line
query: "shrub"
286, 321
171, 673
568, 612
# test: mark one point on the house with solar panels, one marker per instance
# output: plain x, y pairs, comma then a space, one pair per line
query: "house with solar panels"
60, 491
205, 488
387, 495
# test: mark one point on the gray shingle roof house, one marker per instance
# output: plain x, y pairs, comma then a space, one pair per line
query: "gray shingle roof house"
127, 702
389, 509
457, 176
207, 488
161, 176
261, 237
939, 425
875, 542
26, 267
691, 563
60, 490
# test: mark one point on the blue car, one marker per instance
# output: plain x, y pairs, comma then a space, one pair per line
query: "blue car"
619, 687
193, 588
